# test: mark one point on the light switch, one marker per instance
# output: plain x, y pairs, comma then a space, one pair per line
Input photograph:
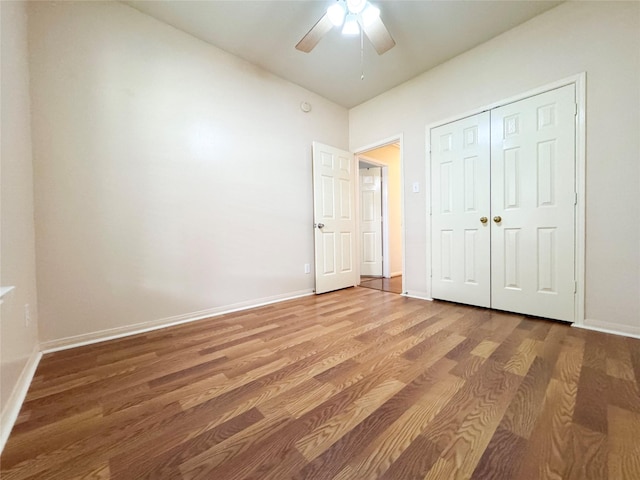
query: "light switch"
416, 187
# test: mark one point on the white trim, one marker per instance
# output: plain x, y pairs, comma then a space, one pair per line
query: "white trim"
395, 274
579, 81
386, 250
379, 144
358, 253
416, 294
609, 327
399, 139
119, 332
573, 79
16, 399
427, 196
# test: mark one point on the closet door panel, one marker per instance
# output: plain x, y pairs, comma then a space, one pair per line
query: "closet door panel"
532, 205
460, 175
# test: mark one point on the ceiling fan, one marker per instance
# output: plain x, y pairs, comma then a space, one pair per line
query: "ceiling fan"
351, 15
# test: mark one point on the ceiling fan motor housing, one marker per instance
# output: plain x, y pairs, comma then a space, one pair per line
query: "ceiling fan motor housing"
356, 6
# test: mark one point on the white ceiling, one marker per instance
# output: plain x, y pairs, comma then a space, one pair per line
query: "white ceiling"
265, 32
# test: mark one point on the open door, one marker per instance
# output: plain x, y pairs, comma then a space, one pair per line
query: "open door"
334, 177
371, 221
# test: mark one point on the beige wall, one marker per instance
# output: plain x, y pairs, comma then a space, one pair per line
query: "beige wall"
172, 179
390, 155
601, 38
150, 145
17, 249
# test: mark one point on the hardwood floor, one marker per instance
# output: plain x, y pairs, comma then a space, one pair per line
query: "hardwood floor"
355, 384
393, 284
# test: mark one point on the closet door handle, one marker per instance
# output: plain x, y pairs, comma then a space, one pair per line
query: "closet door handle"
497, 219
484, 220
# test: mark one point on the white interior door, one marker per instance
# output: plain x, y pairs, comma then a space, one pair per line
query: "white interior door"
460, 176
370, 221
532, 205
334, 218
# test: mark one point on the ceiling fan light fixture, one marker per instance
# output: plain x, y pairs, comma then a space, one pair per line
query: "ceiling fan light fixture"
351, 26
370, 14
336, 13
352, 17
356, 6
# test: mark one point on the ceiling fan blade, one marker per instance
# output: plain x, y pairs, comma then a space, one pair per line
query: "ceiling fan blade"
313, 36
379, 36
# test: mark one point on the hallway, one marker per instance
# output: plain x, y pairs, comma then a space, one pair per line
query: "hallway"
392, 285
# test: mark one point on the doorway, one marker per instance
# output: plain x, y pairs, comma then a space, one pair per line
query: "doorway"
380, 218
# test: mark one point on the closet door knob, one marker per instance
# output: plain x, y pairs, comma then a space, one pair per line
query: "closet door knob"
483, 220
497, 219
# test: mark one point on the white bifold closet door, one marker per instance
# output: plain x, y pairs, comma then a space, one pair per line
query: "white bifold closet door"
522, 258
460, 203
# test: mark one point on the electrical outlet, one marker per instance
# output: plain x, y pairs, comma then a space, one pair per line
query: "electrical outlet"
307, 268
27, 315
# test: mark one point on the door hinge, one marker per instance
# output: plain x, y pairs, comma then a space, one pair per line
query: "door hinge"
575, 287
575, 109
575, 198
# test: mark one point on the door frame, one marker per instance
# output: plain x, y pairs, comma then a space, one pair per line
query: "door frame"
360, 153
579, 81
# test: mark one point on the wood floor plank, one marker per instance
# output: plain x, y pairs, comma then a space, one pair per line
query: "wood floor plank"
623, 394
624, 448
382, 452
485, 348
482, 389
414, 462
552, 431
461, 456
356, 384
198, 465
549, 436
523, 357
97, 443
323, 436
586, 457
267, 454
163, 458
634, 355
523, 412
372, 427
501, 459
591, 400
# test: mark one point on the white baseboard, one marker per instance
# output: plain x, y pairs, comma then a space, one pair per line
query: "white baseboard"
395, 274
14, 403
418, 295
119, 332
610, 327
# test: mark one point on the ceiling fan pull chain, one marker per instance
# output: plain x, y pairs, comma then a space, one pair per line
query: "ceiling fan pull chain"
361, 54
